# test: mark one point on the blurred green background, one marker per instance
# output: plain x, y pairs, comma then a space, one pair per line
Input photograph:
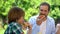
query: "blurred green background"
31, 8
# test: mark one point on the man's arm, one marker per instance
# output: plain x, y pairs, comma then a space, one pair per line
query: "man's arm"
31, 21
31, 24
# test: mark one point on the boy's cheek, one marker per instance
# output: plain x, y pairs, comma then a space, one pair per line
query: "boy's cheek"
21, 20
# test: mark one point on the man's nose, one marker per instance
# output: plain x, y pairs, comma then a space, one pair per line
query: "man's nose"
43, 12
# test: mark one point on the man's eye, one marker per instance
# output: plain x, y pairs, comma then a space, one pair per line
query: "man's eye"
41, 10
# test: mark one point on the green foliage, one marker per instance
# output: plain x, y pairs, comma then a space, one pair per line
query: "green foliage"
31, 7
5, 6
55, 13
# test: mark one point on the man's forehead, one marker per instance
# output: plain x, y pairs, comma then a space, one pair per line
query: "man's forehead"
44, 7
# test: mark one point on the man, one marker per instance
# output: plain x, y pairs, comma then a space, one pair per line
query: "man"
42, 23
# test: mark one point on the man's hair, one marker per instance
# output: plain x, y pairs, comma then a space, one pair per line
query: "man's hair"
45, 3
14, 14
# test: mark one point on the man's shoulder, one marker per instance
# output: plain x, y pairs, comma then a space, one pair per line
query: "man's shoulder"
50, 18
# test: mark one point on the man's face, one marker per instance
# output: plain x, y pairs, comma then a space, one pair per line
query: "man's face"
44, 10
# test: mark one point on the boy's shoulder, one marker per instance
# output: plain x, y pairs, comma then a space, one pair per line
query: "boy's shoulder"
14, 24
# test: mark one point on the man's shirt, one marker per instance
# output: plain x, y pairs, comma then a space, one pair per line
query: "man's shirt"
50, 25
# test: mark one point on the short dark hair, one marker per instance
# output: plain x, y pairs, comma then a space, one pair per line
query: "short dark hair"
14, 14
45, 3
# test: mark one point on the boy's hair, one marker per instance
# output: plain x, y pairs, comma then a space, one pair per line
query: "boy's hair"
14, 14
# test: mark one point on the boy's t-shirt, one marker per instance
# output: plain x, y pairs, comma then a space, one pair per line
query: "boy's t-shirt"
14, 28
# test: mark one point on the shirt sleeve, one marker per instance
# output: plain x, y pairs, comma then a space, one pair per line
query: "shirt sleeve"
31, 21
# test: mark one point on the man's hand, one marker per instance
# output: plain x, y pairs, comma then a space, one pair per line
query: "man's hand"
39, 19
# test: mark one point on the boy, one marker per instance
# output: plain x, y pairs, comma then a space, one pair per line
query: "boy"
15, 19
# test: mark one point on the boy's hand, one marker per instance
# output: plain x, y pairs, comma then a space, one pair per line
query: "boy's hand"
29, 26
26, 24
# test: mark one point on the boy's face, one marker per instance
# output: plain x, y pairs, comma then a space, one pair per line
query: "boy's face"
21, 20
